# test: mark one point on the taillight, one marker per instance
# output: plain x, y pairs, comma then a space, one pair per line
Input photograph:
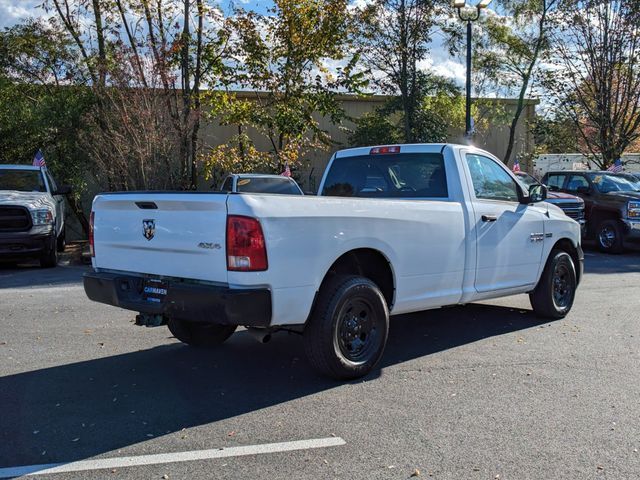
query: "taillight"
246, 250
382, 150
91, 245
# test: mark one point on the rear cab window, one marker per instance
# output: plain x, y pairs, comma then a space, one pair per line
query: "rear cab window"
395, 175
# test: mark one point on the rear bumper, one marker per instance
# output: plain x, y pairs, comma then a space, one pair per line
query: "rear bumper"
186, 301
25, 244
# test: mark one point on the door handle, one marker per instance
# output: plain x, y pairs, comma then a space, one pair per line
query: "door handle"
489, 218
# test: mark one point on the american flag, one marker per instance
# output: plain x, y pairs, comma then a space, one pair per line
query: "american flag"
616, 167
287, 170
516, 165
38, 160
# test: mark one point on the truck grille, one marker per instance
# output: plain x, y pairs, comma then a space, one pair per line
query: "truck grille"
573, 210
14, 219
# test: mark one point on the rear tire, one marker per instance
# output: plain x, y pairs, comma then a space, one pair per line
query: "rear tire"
554, 295
348, 329
200, 334
609, 237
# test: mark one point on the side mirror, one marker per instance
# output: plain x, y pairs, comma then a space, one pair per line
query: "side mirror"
584, 190
537, 193
63, 190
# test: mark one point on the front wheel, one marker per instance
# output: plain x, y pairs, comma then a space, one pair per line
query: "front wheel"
553, 296
347, 332
200, 334
609, 237
49, 258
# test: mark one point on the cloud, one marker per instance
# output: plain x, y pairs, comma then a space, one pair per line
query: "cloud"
13, 11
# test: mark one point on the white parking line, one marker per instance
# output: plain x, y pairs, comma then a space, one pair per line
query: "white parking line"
120, 462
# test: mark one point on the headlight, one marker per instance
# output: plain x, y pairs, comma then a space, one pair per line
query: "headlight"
633, 210
42, 216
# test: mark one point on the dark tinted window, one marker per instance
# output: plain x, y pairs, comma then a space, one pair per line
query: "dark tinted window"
282, 185
403, 175
22, 180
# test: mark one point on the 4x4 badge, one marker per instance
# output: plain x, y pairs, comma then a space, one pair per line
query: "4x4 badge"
148, 228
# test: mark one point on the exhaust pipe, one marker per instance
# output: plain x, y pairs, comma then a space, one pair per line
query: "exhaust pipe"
262, 335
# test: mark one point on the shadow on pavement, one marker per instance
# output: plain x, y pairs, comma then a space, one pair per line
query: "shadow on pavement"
602, 263
173, 386
31, 275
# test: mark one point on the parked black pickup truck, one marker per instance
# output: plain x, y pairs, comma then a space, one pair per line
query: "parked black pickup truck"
612, 204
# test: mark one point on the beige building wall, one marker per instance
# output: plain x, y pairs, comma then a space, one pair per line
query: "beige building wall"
493, 140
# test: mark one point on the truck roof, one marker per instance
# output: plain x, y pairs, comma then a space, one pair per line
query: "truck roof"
404, 148
20, 167
258, 175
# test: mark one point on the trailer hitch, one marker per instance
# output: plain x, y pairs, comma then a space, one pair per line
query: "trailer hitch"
150, 320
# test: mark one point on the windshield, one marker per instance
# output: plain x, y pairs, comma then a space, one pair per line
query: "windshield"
283, 185
631, 179
606, 183
22, 180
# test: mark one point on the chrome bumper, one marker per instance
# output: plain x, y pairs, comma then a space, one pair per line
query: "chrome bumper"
633, 228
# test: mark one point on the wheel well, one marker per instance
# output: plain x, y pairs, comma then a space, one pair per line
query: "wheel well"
368, 263
567, 245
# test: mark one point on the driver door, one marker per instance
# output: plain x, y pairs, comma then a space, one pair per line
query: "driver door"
509, 235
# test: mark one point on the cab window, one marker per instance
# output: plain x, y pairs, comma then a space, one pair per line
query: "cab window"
555, 181
577, 181
491, 181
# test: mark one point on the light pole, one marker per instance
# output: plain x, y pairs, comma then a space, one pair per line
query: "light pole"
468, 17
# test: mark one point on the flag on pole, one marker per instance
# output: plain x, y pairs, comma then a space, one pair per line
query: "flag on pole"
38, 160
516, 166
616, 167
287, 170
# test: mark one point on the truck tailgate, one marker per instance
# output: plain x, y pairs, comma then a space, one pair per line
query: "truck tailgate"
170, 234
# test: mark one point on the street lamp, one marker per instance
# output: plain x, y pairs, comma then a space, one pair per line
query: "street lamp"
468, 17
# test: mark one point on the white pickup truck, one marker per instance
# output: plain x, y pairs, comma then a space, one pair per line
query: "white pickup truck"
32, 214
394, 229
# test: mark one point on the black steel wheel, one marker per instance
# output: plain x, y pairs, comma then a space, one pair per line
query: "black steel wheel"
554, 295
348, 330
200, 334
609, 237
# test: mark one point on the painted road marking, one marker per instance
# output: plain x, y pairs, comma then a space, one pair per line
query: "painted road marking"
121, 462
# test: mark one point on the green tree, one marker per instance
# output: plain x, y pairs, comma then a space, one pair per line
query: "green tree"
41, 108
512, 49
596, 74
283, 57
393, 38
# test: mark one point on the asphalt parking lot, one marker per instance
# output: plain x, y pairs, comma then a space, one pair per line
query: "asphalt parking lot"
485, 391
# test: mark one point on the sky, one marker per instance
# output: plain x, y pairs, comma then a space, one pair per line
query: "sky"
14, 11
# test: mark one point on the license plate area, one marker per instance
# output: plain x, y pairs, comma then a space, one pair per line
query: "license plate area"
154, 290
